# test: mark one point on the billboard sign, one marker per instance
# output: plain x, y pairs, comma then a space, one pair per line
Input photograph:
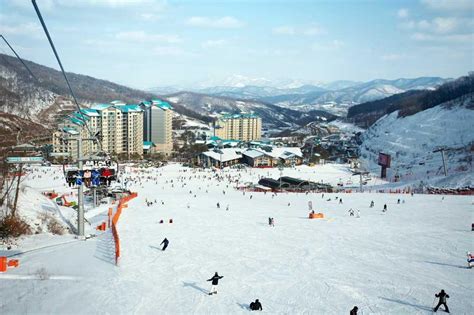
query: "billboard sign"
25, 159
384, 160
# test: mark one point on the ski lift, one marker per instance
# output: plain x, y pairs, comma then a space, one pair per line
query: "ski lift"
97, 172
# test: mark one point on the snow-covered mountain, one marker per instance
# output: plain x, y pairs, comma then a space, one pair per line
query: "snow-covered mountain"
301, 95
272, 116
46, 99
411, 140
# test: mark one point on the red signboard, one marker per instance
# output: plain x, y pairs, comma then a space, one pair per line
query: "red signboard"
384, 160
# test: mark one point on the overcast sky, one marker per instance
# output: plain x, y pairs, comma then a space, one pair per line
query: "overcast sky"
147, 43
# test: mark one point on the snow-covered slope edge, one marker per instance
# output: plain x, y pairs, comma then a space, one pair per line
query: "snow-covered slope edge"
411, 141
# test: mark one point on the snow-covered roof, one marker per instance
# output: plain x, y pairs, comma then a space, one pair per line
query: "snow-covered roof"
100, 106
147, 145
90, 112
283, 152
224, 155
131, 108
253, 153
161, 104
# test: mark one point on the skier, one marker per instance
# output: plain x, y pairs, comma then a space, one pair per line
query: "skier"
218, 206
372, 204
354, 311
269, 221
165, 244
384, 208
358, 213
442, 301
340, 201
215, 282
398, 201
256, 306
351, 212
272, 222
470, 260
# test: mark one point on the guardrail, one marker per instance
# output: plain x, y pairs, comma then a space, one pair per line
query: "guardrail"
115, 219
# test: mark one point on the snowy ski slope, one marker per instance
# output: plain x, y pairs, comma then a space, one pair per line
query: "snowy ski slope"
390, 263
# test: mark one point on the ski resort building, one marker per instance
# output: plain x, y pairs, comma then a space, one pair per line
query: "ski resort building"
157, 125
271, 157
119, 126
244, 127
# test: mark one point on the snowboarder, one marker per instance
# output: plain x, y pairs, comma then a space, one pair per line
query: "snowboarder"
351, 212
442, 301
398, 201
384, 208
372, 204
218, 206
470, 260
340, 201
354, 311
165, 244
256, 306
215, 282
269, 221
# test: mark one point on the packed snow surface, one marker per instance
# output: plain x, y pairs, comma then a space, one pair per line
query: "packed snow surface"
412, 140
385, 263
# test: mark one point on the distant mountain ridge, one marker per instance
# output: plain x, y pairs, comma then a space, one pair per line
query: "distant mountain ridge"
273, 117
45, 100
413, 101
305, 97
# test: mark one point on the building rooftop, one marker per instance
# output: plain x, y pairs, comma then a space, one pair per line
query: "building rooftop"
161, 104
100, 106
238, 116
224, 155
131, 108
90, 112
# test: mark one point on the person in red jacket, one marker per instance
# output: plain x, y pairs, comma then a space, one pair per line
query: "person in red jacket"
215, 282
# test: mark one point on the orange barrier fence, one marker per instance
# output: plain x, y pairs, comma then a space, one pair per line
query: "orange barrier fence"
115, 219
5, 263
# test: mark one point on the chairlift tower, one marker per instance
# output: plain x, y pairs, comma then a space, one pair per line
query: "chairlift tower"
442, 150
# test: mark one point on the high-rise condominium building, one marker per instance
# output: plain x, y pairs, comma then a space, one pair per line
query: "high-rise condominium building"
244, 127
157, 125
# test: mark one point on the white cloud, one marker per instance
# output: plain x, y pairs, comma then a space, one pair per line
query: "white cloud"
335, 44
451, 5
221, 22
291, 30
142, 37
392, 57
214, 43
27, 29
284, 30
454, 38
445, 25
314, 30
169, 51
402, 13
149, 16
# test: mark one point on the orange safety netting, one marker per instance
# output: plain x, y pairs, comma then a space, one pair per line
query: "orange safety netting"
115, 219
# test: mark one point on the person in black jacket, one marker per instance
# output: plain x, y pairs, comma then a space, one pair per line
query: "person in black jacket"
165, 244
215, 282
354, 311
256, 306
442, 301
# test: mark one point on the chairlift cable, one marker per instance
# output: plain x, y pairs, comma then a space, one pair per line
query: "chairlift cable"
63, 72
19, 58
